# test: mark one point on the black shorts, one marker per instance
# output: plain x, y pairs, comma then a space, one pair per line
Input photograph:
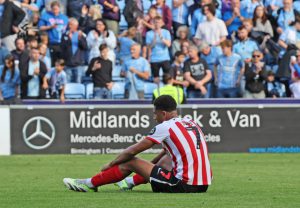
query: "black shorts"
164, 181
155, 67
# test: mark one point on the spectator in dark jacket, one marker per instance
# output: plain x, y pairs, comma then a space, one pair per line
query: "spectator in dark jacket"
32, 73
73, 45
111, 14
132, 11
89, 15
255, 74
101, 70
20, 53
74, 7
10, 17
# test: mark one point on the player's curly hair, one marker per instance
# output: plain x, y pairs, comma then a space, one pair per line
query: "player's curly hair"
165, 103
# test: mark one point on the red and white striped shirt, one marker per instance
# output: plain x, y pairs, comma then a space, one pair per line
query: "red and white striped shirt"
185, 143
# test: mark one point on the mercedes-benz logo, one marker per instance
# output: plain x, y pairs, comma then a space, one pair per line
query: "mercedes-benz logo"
39, 133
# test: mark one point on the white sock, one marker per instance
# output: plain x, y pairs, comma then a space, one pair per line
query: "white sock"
88, 182
130, 181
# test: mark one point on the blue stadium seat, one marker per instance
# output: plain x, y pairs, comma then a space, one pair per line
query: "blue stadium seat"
75, 91
149, 87
118, 90
89, 91
116, 73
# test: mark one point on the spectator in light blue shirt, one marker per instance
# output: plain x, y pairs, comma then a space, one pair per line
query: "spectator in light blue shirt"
57, 79
248, 7
137, 71
233, 18
158, 42
9, 79
229, 70
210, 54
180, 13
125, 43
245, 46
285, 16
3, 53
55, 23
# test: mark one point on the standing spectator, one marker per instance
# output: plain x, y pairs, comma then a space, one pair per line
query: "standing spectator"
9, 79
10, 17
295, 75
255, 74
273, 88
244, 46
210, 54
126, 40
177, 70
147, 22
285, 16
101, 35
182, 35
74, 7
165, 12
55, 23
158, 41
233, 18
74, 44
3, 53
180, 13
33, 25
248, 7
261, 22
197, 73
213, 30
229, 70
198, 16
137, 71
57, 79
43, 55
290, 36
89, 15
111, 15
101, 70
20, 53
32, 73
133, 11
272, 6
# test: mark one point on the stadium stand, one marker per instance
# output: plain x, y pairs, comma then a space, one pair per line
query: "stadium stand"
250, 25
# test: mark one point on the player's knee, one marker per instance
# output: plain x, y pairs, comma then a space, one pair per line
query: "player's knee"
128, 166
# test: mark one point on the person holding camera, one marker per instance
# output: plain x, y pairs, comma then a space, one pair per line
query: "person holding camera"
255, 74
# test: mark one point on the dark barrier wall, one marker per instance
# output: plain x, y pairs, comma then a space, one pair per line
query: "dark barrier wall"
110, 129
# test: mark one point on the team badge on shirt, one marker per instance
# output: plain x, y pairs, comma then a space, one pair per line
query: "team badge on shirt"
152, 131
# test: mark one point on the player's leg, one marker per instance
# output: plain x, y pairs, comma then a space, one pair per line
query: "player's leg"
135, 180
111, 175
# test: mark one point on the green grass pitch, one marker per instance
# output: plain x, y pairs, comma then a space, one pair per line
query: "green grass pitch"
240, 180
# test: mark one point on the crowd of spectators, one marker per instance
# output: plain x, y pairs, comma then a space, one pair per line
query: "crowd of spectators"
186, 48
